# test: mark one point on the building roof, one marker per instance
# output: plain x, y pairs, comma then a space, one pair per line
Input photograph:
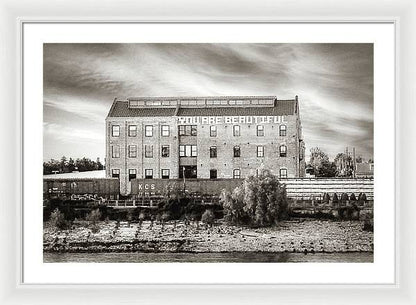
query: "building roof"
77, 175
120, 108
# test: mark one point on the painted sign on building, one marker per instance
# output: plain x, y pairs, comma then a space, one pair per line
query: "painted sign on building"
212, 120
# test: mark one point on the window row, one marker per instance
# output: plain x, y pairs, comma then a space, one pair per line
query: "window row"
148, 130
165, 173
148, 151
191, 130
237, 173
148, 174
237, 151
188, 130
237, 129
188, 151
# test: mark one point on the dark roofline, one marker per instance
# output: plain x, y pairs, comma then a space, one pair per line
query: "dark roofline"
161, 98
115, 107
111, 108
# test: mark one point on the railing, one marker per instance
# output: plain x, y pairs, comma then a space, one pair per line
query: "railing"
150, 203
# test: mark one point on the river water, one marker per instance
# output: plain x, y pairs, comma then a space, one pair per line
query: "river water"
229, 257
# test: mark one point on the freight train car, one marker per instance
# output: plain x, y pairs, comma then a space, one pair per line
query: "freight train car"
81, 188
162, 187
297, 188
109, 188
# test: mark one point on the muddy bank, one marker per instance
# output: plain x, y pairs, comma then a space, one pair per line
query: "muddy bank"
299, 235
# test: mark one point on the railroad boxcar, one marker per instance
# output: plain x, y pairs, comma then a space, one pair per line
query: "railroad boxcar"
108, 188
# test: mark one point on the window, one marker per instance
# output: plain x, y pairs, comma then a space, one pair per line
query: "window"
115, 173
132, 130
132, 151
116, 151
236, 130
213, 131
148, 131
148, 174
282, 130
260, 151
237, 151
187, 130
187, 151
213, 152
115, 130
213, 174
148, 151
236, 173
260, 130
283, 150
165, 173
132, 174
165, 151
283, 173
165, 131
193, 151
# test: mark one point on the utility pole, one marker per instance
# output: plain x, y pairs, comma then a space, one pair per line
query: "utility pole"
353, 162
184, 181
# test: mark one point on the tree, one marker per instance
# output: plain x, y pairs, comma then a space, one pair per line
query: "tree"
68, 166
57, 220
316, 159
326, 169
71, 165
259, 201
344, 165
63, 165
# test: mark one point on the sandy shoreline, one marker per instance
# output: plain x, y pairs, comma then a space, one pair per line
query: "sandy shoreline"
298, 235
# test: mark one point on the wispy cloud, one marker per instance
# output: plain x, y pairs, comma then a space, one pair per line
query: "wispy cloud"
333, 81
72, 135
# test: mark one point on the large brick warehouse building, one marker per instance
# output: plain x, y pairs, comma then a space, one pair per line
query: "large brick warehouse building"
203, 137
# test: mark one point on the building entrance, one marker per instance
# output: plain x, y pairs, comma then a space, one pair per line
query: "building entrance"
189, 171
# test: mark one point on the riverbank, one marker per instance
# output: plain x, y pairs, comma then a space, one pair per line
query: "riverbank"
296, 236
212, 257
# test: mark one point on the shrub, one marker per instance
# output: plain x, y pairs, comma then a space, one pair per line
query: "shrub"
57, 220
352, 197
335, 198
166, 216
362, 198
93, 217
176, 205
325, 198
259, 201
142, 216
369, 223
208, 217
344, 198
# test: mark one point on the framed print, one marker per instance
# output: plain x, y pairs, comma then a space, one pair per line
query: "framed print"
211, 155
191, 181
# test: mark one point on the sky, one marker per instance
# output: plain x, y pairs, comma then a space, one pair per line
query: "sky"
334, 83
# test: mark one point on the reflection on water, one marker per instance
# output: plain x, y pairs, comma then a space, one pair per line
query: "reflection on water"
229, 257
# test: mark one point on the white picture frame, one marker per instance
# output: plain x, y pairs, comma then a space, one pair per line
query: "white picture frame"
402, 13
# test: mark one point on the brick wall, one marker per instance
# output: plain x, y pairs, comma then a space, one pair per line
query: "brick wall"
224, 163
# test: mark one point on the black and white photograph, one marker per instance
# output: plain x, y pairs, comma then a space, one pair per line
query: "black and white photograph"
208, 153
